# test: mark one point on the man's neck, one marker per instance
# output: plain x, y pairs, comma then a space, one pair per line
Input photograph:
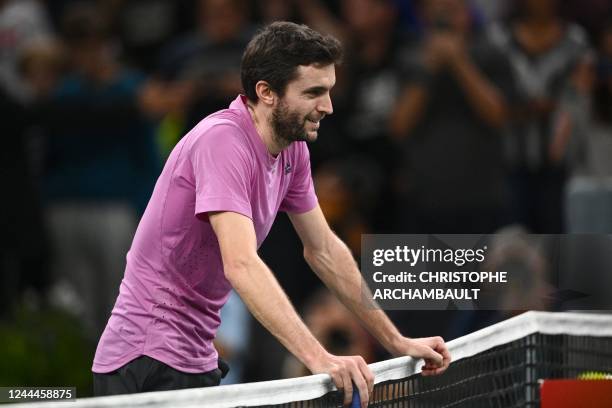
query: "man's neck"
262, 124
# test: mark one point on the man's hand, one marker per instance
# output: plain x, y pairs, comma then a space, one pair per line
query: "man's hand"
443, 49
431, 349
344, 371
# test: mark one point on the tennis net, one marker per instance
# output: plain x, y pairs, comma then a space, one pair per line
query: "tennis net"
499, 366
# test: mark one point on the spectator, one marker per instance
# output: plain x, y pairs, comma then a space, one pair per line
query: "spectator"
21, 23
448, 122
100, 167
347, 191
366, 91
41, 64
335, 328
491, 10
547, 54
600, 134
144, 26
530, 260
23, 250
209, 58
277, 10
588, 192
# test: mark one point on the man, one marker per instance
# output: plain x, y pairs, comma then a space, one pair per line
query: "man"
212, 207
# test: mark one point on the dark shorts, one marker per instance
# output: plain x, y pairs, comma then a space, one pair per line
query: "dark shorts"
145, 374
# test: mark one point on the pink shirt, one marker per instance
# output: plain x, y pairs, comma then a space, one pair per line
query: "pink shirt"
174, 285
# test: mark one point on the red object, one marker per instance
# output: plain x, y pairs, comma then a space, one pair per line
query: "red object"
576, 394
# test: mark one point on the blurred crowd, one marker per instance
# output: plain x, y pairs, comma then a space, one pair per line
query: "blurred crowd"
450, 116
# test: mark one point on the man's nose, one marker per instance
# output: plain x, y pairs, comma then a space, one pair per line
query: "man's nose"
325, 105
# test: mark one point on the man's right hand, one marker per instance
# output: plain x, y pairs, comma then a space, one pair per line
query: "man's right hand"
442, 49
346, 371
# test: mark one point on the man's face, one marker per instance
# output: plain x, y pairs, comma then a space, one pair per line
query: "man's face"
221, 20
298, 113
368, 16
448, 14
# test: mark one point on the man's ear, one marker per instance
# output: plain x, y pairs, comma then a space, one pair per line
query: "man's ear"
265, 94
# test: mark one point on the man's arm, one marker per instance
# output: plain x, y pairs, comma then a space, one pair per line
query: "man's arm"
266, 300
485, 98
333, 262
408, 110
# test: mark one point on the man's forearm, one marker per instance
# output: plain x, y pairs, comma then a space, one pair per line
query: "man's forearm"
408, 111
266, 300
335, 265
481, 93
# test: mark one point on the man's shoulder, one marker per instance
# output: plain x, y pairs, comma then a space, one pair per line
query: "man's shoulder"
219, 136
224, 123
489, 50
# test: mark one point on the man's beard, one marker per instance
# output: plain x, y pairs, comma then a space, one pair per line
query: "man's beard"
288, 126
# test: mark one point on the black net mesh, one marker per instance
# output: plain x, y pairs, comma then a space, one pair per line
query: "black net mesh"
502, 377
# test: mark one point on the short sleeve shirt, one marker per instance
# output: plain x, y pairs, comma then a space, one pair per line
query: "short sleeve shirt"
174, 285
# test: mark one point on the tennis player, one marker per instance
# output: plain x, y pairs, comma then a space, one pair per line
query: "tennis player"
212, 207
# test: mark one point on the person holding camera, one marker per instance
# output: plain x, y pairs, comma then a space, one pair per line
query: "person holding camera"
448, 123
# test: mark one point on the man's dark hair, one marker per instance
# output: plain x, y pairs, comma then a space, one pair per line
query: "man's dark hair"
276, 51
83, 22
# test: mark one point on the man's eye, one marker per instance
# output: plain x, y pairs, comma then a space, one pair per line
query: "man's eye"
314, 93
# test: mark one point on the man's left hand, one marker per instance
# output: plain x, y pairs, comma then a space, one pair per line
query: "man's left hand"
432, 350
